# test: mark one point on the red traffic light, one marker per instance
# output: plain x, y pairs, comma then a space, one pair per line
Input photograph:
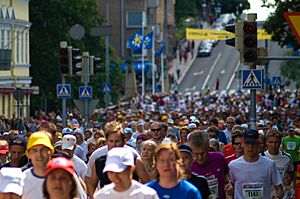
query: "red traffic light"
250, 27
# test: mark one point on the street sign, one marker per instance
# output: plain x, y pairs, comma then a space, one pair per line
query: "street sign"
293, 19
91, 105
63, 91
252, 79
276, 81
85, 92
106, 88
219, 34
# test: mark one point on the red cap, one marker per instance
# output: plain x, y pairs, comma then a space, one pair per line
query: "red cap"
60, 163
3, 149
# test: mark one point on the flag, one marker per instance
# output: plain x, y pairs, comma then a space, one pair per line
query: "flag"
148, 40
135, 41
160, 50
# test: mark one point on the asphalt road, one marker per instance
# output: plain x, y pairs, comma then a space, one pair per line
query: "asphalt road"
222, 64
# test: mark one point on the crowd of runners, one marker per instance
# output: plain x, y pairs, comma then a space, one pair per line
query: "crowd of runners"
159, 146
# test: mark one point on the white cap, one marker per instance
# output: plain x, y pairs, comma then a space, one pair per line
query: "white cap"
68, 142
12, 180
192, 125
118, 159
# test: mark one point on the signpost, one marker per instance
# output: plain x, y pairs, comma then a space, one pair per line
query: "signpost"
293, 19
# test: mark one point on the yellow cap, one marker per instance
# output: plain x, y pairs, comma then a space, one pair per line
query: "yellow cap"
39, 138
164, 117
181, 123
59, 135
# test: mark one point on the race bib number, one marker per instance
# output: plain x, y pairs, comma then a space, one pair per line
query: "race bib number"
291, 145
253, 190
213, 188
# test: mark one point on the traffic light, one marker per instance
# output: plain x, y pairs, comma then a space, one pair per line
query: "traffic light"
249, 53
94, 61
63, 60
75, 58
230, 28
237, 29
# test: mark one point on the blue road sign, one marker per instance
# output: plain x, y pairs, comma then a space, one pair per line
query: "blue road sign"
85, 92
106, 88
252, 79
276, 81
63, 91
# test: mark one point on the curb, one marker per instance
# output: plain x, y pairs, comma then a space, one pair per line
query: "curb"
187, 68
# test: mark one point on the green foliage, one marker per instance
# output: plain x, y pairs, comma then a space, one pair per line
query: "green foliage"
51, 22
277, 26
290, 70
185, 9
231, 6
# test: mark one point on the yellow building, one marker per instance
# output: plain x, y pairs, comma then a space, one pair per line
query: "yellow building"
14, 59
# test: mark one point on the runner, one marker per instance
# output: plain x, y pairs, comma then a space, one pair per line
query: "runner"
119, 167
115, 137
170, 183
253, 175
12, 182
282, 160
61, 181
17, 147
212, 165
39, 150
68, 145
200, 182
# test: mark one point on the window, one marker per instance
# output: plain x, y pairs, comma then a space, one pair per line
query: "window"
26, 48
8, 39
134, 19
2, 38
22, 47
18, 46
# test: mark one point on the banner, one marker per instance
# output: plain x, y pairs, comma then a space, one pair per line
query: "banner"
205, 34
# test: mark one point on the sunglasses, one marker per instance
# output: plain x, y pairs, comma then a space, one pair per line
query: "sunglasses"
237, 143
156, 129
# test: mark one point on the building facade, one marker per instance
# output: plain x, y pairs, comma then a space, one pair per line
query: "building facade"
15, 81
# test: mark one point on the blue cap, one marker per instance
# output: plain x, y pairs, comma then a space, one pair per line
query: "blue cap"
127, 130
18, 140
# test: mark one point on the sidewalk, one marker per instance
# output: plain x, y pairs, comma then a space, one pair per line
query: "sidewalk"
183, 67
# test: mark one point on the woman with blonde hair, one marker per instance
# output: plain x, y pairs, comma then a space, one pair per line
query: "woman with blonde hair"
147, 154
170, 182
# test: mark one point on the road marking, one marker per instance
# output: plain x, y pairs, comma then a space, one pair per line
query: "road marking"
198, 73
191, 89
233, 74
211, 70
223, 71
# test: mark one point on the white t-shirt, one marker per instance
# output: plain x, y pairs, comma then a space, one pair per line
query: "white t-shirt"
253, 179
33, 185
283, 162
136, 191
80, 167
101, 152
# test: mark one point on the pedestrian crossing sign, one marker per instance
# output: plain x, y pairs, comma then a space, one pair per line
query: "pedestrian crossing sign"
63, 91
276, 81
85, 92
252, 79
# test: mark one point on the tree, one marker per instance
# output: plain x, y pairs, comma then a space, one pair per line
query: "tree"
276, 24
51, 21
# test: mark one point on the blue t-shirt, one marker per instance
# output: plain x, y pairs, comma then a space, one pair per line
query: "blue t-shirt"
183, 189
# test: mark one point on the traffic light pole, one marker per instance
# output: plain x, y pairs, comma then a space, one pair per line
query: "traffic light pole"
64, 104
253, 105
85, 62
